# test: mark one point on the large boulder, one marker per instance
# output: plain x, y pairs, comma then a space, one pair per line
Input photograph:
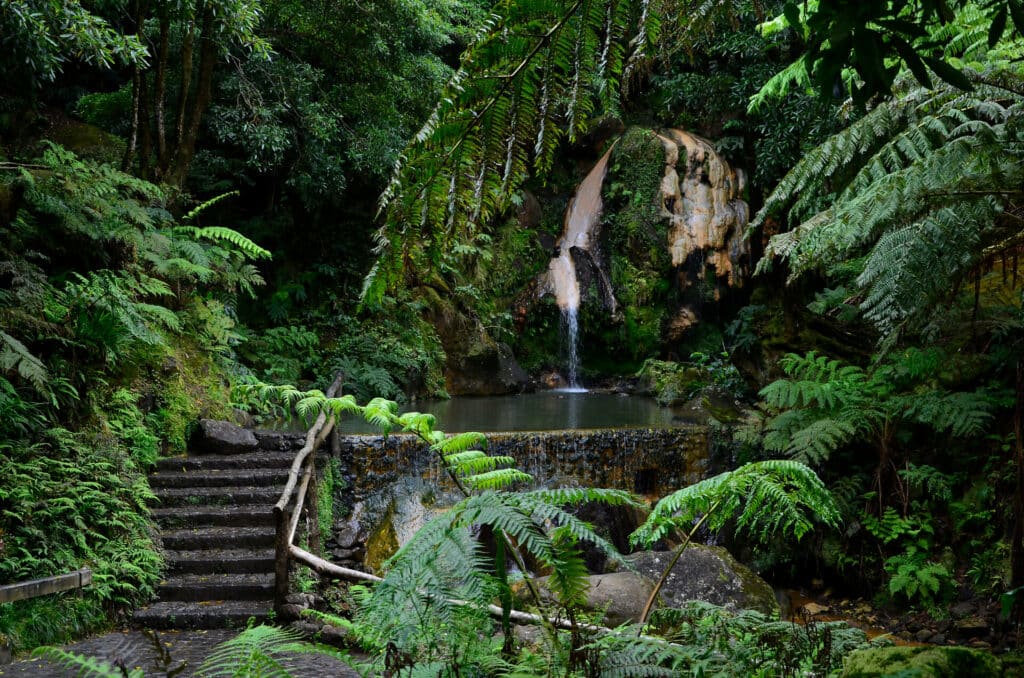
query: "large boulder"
921, 662
619, 595
707, 573
223, 437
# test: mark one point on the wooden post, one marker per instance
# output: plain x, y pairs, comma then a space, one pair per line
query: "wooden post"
335, 440
313, 508
282, 523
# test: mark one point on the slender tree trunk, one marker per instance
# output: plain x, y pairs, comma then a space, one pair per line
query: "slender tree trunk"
137, 85
159, 94
145, 130
187, 44
204, 92
133, 134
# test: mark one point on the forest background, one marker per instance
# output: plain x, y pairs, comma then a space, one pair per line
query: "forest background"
189, 193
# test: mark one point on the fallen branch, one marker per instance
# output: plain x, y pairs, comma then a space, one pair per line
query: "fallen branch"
327, 568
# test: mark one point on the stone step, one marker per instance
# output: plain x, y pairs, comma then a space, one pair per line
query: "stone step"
221, 561
279, 440
179, 517
206, 614
255, 460
219, 478
197, 587
192, 539
219, 496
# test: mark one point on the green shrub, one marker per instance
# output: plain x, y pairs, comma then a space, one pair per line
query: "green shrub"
74, 500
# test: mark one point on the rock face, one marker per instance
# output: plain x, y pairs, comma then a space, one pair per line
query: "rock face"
476, 364
223, 437
707, 573
700, 196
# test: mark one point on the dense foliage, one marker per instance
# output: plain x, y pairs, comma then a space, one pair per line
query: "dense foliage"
159, 161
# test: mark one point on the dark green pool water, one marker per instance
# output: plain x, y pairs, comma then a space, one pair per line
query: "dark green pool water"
541, 411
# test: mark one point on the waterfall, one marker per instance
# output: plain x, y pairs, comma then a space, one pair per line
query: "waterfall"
581, 220
571, 320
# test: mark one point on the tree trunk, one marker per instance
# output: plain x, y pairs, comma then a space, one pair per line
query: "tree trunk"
159, 94
133, 135
187, 43
186, 149
137, 85
145, 130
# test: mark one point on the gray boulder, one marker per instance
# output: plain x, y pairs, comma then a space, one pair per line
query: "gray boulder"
620, 595
707, 573
223, 437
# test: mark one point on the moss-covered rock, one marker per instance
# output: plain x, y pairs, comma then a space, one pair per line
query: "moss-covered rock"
87, 141
383, 542
921, 662
192, 385
708, 573
669, 382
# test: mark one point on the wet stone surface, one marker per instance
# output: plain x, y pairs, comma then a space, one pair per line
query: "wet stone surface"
134, 649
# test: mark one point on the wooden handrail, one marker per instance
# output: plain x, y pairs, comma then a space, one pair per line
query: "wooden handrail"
41, 587
286, 520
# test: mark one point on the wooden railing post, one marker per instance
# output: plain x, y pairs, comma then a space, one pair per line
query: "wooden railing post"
287, 514
282, 521
313, 508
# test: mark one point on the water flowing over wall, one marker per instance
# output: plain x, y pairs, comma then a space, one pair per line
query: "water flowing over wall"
579, 240
646, 461
396, 484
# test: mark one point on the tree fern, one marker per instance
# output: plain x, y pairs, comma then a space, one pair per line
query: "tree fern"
443, 563
763, 498
920, 183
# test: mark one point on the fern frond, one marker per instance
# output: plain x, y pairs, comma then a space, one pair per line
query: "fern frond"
498, 479
261, 651
202, 207
84, 666
221, 233
768, 497
15, 356
960, 414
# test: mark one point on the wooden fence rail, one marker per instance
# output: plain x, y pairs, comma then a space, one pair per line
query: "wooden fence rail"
41, 587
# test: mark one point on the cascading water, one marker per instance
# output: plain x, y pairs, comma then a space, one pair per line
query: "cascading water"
581, 220
571, 322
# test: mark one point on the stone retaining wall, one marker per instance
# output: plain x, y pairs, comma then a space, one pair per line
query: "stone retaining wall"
395, 485
650, 462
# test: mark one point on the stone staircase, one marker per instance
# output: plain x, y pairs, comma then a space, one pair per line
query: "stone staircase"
217, 530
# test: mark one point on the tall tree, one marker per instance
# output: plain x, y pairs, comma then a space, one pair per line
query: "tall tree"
204, 31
